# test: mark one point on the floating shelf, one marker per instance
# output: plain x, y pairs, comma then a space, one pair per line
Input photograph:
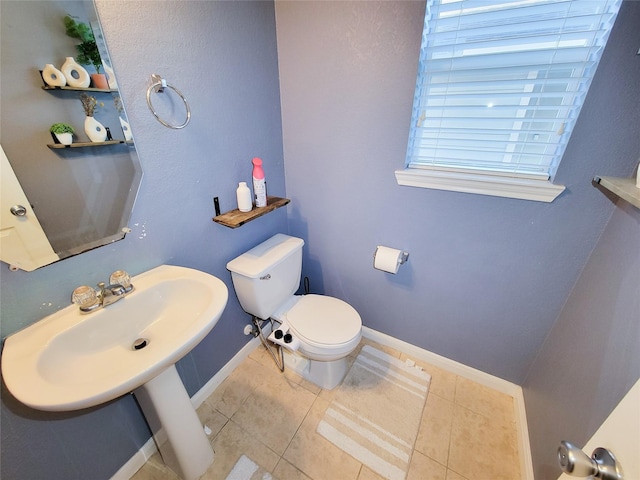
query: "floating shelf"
236, 218
625, 188
77, 89
86, 144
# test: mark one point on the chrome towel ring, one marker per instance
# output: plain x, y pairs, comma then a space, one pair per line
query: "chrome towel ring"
158, 84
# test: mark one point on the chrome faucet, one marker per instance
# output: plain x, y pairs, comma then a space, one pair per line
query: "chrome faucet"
90, 299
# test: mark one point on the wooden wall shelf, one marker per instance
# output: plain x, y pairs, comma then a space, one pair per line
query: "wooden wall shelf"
236, 218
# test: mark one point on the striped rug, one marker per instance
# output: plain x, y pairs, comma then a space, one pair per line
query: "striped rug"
247, 469
376, 412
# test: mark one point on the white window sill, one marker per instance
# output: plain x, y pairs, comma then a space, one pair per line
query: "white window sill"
540, 190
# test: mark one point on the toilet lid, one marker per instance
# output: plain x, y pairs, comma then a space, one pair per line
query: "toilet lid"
324, 320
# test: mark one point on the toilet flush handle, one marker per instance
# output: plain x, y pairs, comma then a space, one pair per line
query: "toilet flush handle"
266, 277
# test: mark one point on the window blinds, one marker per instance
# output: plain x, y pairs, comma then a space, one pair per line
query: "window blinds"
501, 82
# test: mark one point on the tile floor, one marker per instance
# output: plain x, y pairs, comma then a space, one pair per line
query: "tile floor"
467, 431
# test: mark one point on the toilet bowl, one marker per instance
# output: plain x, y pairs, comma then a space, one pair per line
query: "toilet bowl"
317, 331
326, 327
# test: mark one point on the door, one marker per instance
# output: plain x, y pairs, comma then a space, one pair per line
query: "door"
23, 243
620, 433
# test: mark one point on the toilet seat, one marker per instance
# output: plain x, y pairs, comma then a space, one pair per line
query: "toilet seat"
323, 321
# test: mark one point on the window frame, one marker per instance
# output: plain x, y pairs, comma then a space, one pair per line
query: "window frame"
475, 179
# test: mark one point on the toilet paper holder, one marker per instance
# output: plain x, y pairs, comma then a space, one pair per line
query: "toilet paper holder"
388, 259
404, 256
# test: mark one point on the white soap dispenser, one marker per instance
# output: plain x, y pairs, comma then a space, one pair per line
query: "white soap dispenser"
244, 197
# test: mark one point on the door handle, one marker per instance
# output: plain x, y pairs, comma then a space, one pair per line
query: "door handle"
602, 464
18, 211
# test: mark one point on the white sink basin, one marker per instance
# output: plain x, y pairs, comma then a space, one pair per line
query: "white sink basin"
70, 361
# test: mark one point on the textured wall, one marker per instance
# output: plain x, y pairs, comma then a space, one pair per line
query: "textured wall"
222, 56
486, 277
591, 358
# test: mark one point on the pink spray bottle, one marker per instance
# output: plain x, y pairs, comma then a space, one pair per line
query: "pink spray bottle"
259, 183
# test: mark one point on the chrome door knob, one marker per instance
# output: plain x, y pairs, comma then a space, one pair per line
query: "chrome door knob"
18, 211
601, 465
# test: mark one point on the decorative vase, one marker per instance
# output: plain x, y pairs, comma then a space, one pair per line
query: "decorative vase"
64, 138
53, 77
75, 74
94, 130
126, 129
99, 80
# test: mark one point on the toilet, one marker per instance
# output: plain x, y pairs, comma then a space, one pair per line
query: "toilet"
317, 331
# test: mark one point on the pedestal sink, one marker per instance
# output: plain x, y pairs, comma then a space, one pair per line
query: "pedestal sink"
69, 361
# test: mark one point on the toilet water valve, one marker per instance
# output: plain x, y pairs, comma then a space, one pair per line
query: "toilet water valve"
248, 329
602, 464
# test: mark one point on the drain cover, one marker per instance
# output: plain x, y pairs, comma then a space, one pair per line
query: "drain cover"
140, 343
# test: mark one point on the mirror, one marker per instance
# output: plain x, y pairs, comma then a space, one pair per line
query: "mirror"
82, 195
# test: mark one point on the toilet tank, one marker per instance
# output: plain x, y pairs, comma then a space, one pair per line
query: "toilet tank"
266, 276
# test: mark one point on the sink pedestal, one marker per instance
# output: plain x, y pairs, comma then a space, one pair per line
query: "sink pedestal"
176, 427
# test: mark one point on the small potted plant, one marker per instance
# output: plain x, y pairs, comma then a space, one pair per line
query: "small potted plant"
88, 53
63, 132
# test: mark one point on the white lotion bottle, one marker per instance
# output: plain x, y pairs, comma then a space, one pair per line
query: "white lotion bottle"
243, 195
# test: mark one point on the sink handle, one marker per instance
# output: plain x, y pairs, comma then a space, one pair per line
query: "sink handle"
120, 277
86, 298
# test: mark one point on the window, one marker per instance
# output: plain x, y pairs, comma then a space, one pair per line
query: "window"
500, 86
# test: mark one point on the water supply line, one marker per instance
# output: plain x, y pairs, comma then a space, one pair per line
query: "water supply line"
258, 329
279, 364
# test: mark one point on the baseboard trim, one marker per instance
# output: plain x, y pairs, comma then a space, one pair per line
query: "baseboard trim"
496, 383
136, 462
209, 387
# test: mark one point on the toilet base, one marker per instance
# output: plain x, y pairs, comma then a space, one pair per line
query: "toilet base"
327, 375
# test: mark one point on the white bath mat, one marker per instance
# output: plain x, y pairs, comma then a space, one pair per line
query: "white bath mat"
247, 469
375, 414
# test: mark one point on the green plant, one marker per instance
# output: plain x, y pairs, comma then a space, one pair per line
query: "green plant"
61, 128
88, 53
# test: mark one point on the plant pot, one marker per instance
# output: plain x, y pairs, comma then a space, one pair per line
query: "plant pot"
53, 77
99, 80
64, 138
75, 74
94, 130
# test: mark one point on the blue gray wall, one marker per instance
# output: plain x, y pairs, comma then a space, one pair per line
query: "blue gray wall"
223, 57
487, 277
591, 357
